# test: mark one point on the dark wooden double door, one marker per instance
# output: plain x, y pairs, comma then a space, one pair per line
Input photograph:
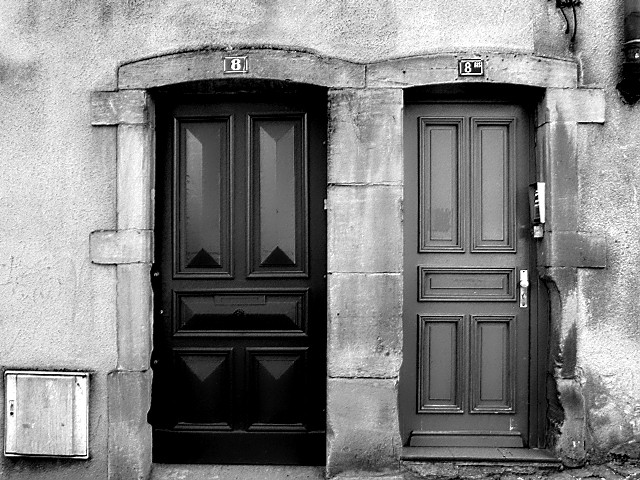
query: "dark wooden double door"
467, 329
239, 357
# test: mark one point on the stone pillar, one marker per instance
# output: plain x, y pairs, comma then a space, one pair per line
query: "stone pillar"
565, 249
130, 248
364, 220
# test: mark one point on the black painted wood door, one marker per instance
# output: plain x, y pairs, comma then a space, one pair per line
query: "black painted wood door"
465, 378
240, 292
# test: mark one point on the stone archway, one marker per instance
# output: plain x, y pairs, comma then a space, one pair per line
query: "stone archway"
365, 185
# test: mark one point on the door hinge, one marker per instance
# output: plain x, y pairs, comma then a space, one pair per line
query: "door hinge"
325, 203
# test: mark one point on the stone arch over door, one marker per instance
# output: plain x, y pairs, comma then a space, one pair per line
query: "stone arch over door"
365, 190
564, 105
130, 111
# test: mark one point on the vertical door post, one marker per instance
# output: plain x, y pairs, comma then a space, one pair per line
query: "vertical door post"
364, 215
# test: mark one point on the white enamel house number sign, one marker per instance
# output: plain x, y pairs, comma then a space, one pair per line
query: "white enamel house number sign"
470, 67
236, 65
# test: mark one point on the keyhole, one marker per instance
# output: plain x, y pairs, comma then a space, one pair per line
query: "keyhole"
239, 313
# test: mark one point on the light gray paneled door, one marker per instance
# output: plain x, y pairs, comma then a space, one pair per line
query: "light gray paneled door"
467, 241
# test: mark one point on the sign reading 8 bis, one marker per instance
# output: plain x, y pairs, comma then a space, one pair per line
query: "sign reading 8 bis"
470, 67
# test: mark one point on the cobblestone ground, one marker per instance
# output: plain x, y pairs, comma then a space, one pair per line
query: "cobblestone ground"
607, 471
610, 471
623, 463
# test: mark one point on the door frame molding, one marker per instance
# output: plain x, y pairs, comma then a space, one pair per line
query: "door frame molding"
365, 183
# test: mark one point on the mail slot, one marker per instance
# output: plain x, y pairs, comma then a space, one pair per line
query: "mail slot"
216, 312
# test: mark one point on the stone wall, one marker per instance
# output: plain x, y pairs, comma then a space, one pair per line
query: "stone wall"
65, 302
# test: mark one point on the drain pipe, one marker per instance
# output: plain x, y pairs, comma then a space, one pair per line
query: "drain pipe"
629, 87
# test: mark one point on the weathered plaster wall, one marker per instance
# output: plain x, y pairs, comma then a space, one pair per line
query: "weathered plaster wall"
608, 333
356, 29
58, 173
57, 184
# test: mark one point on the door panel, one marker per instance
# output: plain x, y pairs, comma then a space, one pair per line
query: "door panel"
465, 378
441, 211
492, 185
240, 297
202, 190
492, 354
278, 210
440, 364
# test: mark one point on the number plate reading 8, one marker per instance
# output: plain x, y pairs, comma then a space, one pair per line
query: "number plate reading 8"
236, 65
470, 67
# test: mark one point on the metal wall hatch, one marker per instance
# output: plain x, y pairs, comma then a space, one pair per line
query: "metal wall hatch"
47, 414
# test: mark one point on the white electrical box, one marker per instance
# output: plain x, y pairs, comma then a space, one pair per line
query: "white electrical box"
46, 414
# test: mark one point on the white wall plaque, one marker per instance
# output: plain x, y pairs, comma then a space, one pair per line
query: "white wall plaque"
470, 67
46, 414
236, 65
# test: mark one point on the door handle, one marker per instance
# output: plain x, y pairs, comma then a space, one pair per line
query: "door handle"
524, 288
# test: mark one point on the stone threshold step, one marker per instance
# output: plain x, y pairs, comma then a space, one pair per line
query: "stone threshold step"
489, 455
162, 471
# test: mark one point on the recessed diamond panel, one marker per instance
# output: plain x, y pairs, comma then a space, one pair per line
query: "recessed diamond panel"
205, 387
278, 211
202, 189
278, 385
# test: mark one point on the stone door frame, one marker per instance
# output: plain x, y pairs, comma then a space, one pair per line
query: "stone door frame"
365, 190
